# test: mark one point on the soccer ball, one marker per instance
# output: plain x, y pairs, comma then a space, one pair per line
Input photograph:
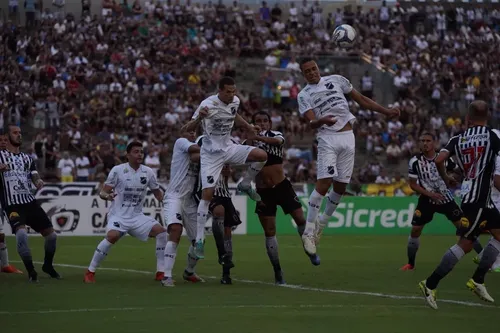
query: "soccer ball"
344, 35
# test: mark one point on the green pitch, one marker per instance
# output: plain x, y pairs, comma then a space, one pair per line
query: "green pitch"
357, 288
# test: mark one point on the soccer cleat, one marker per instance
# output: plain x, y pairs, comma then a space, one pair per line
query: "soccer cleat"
89, 277
11, 270
476, 260
278, 278
250, 191
226, 261
199, 249
430, 295
309, 244
192, 277
226, 279
480, 290
315, 260
168, 282
407, 267
33, 277
51, 272
159, 276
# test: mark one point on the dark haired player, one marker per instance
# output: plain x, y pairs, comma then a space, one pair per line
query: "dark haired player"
275, 190
5, 266
323, 103
475, 150
217, 114
225, 217
18, 174
126, 188
435, 197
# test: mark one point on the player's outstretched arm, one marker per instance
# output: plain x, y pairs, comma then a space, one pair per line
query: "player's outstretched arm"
367, 103
274, 141
317, 123
440, 161
239, 121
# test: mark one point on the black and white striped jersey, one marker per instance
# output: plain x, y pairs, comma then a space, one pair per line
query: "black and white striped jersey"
274, 152
427, 174
221, 188
476, 150
16, 181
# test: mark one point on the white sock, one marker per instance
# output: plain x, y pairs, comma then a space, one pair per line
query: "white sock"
191, 260
333, 200
161, 242
4, 255
496, 264
315, 201
201, 220
100, 253
170, 254
252, 171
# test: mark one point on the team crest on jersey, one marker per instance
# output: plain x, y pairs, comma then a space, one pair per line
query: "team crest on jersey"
125, 170
331, 170
116, 224
329, 86
144, 180
210, 179
482, 225
233, 110
464, 222
178, 216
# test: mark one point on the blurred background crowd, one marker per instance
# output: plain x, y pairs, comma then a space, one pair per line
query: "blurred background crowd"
87, 77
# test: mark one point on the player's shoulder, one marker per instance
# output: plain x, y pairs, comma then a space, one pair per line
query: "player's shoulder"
199, 140
147, 170
236, 100
336, 78
180, 141
415, 158
272, 134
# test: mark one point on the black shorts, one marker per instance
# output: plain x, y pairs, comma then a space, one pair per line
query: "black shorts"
282, 195
31, 214
231, 215
477, 219
425, 211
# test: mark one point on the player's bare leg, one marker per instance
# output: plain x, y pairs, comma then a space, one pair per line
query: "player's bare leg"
100, 253
174, 237
50, 250
223, 242
412, 247
160, 234
315, 202
207, 195
6, 267
258, 158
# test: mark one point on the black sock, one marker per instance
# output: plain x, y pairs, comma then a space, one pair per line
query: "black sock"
24, 250
413, 245
449, 260
218, 232
489, 257
50, 249
477, 246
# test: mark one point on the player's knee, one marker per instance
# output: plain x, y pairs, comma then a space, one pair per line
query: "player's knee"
219, 211
2, 238
208, 193
270, 231
322, 186
416, 231
48, 232
174, 232
157, 230
113, 236
258, 155
339, 188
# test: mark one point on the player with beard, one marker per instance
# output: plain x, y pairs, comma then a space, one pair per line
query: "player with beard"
5, 267
275, 190
18, 174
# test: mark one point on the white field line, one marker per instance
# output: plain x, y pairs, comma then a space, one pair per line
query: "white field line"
296, 287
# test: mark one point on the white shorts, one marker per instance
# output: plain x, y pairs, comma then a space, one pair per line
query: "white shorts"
182, 211
336, 156
139, 226
211, 163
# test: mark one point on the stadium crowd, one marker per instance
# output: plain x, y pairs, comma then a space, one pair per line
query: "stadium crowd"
90, 86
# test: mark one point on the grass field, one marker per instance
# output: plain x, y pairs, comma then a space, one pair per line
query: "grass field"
357, 288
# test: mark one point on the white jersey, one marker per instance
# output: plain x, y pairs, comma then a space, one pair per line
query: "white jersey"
130, 187
495, 194
217, 126
325, 98
183, 173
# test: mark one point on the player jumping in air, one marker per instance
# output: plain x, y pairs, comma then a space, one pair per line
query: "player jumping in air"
126, 188
435, 197
5, 266
323, 103
275, 190
180, 207
18, 173
475, 150
217, 114
224, 219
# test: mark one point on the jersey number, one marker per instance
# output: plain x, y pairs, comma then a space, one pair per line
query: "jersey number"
471, 156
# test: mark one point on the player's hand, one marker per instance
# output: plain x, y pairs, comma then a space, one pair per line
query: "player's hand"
451, 182
393, 113
203, 112
39, 184
436, 196
328, 120
4, 167
111, 196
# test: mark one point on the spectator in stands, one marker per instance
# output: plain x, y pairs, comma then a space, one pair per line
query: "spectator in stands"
66, 169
